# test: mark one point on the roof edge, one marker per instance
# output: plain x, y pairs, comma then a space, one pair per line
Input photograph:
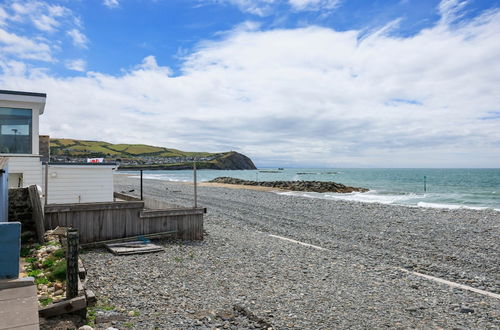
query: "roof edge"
3, 91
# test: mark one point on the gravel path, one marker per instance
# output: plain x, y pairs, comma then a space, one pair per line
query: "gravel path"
240, 277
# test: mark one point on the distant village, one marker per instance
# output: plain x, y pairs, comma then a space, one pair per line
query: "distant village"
138, 160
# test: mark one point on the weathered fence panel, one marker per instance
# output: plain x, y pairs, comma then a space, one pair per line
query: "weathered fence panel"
149, 203
112, 220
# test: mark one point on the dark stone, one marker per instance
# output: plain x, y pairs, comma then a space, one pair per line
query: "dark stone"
466, 310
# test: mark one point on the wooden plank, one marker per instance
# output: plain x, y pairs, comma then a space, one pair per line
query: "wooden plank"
134, 247
63, 307
52, 208
19, 308
37, 211
171, 212
125, 197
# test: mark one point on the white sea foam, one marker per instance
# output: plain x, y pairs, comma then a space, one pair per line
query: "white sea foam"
452, 206
368, 197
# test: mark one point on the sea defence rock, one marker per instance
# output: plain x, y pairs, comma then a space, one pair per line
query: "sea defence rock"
314, 186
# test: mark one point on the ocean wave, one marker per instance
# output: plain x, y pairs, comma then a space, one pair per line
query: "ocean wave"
453, 206
368, 197
402, 199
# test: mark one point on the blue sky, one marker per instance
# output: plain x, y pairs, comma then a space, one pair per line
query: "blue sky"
393, 83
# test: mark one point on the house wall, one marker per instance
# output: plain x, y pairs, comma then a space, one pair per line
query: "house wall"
29, 167
79, 184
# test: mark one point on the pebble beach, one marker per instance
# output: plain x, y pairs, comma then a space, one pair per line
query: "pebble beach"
357, 268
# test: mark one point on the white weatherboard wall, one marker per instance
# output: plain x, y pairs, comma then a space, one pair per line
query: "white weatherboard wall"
80, 184
29, 167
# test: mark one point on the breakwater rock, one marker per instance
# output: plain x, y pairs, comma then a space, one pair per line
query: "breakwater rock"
314, 186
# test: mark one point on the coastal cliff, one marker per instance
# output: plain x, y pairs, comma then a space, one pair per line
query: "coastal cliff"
314, 186
145, 157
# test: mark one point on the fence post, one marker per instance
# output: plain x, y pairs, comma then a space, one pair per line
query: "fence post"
142, 196
72, 264
195, 183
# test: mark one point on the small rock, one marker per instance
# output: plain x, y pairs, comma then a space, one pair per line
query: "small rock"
131, 313
58, 285
58, 292
85, 327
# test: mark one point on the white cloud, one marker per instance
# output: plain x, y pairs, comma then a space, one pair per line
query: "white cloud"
76, 65
43, 16
268, 7
18, 41
111, 3
302, 96
78, 38
451, 10
314, 4
24, 48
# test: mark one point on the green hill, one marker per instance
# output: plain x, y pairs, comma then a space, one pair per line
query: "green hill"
83, 148
142, 156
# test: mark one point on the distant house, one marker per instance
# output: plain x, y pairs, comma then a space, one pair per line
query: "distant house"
19, 113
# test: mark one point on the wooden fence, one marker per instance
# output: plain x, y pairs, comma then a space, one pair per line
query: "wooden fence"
149, 203
112, 220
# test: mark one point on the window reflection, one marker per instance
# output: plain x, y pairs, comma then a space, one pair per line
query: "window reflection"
15, 131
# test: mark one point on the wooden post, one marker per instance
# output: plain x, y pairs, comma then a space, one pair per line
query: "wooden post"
195, 188
425, 183
37, 212
72, 264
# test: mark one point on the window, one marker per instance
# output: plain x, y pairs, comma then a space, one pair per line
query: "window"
15, 131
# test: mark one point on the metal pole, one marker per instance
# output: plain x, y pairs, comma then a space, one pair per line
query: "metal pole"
142, 197
425, 183
195, 188
46, 183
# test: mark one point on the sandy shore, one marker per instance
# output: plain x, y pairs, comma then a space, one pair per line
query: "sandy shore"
246, 275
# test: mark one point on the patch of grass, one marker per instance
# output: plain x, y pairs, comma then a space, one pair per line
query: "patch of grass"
59, 254
136, 313
128, 325
25, 251
41, 280
35, 273
49, 262
46, 301
30, 260
91, 314
58, 271
178, 259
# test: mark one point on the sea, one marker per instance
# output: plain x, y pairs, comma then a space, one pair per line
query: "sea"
433, 188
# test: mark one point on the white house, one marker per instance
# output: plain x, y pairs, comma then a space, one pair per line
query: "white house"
19, 142
19, 114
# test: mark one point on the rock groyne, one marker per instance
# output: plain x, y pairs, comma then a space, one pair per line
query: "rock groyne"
314, 186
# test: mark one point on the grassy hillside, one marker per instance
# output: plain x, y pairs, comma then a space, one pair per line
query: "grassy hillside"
82, 148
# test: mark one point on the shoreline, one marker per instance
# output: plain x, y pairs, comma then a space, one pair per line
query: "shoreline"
301, 195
